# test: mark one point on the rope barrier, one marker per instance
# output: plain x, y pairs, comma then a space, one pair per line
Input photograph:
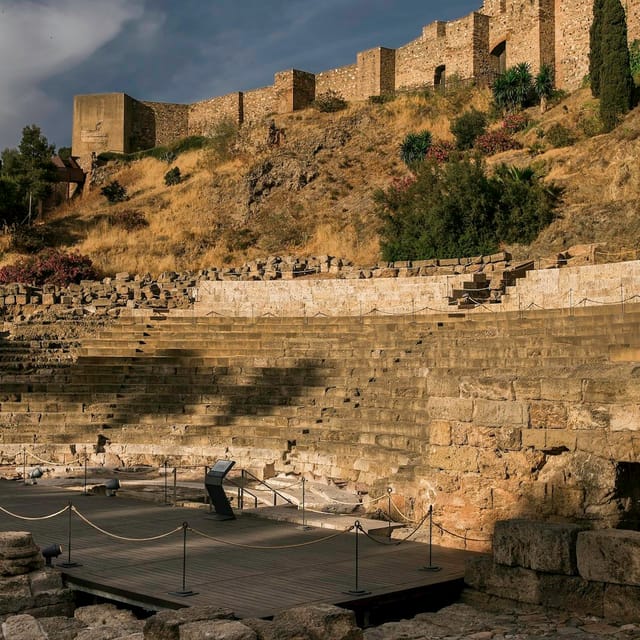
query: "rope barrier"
270, 547
455, 535
126, 539
407, 518
51, 463
19, 517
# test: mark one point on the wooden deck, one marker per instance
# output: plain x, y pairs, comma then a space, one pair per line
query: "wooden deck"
231, 571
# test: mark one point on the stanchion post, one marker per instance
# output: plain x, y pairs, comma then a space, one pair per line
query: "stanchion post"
84, 489
357, 591
389, 492
184, 592
175, 486
431, 566
68, 564
166, 480
304, 526
24, 465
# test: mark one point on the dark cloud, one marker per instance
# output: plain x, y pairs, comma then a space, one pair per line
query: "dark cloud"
181, 51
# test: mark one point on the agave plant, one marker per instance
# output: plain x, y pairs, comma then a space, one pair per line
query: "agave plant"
512, 89
415, 146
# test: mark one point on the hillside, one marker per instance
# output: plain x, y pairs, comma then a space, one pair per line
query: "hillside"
241, 199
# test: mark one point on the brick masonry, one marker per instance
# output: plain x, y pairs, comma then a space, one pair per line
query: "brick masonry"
553, 32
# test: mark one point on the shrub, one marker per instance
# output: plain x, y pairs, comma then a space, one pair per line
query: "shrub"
468, 127
50, 267
114, 192
456, 209
513, 89
129, 219
173, 177
559, 136
496, 141
515, 122
634, 57
414, 147
222, 140
329, 102
440, 151
383, 99
30, 239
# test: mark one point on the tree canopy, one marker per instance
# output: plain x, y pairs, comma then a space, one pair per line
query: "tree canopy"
26, 175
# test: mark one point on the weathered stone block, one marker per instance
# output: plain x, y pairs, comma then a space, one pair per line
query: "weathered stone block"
23, 627
454, 458
317, 622
440, 433
572, 593
621, 603
165, 625
548, 415
495, 413
609, 555
541, 546
216, 630
507, 582
459, 409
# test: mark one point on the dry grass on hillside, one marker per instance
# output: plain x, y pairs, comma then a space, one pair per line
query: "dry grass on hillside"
313, 195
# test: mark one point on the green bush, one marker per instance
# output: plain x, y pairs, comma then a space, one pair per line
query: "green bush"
513, 89
468, 127
173, 177
558, 135
414, 147
114, 192
456, 209
329, 102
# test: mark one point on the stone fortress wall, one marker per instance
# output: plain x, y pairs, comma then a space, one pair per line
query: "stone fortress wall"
502, 33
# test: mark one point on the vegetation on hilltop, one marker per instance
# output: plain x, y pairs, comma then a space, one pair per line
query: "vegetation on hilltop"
240, 197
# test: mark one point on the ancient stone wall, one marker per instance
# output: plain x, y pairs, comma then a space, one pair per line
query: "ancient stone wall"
344, 80
502, 34
259, 103
206, 115
170, 121
295, 90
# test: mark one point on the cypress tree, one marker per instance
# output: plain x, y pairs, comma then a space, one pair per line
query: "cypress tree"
616, 82
595, 48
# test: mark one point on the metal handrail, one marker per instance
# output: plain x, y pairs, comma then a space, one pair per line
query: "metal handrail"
244, 475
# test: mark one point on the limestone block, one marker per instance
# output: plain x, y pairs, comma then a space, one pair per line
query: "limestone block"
23, 627
516, 583
62, 627
459, 409
547, 415
508, 413
609, 555
440, 432
454, 458
541, 546
588, 416
15, 594
572, 593
621, 603
625, 417
534, 438
487, 388
317, 622
216, 630
165, 625
561, 389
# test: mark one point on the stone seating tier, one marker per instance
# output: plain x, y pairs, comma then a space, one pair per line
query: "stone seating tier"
483, 416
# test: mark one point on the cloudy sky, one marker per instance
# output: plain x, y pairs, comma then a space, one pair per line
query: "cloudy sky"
181, 50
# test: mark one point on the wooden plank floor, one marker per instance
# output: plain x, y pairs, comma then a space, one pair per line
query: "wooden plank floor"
251, 581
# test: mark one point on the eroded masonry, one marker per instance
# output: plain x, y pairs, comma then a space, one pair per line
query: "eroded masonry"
502, 33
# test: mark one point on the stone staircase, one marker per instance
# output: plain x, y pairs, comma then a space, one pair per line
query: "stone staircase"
484, 416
